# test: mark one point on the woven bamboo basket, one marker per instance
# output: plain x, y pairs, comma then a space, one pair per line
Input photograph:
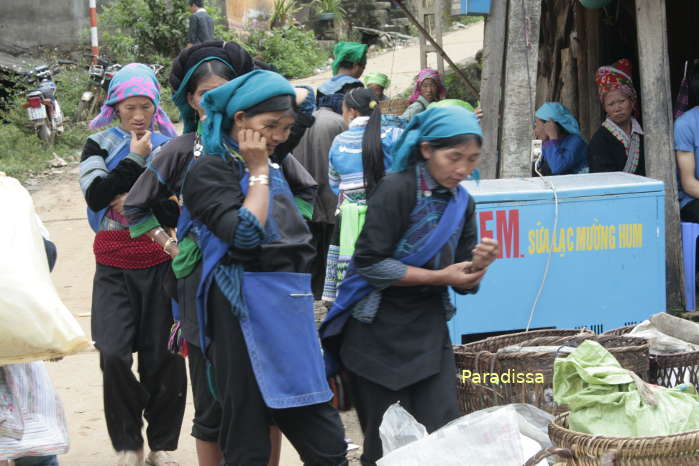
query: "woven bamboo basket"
669, 370
598, 450
632, 354
528, 377
393, 106
479, 357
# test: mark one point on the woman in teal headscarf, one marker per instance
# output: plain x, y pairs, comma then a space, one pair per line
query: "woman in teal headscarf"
195, 71
564, 151
388, 326
254, 303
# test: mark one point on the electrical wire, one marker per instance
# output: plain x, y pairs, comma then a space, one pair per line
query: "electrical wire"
550, 252
549, 257
393, 58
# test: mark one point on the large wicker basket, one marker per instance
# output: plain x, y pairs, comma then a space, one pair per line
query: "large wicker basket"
632, 354
479, 357
669, 370
527, 377
598, 450
393, 106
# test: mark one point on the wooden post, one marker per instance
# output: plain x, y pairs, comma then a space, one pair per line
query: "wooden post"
569, 82
422, 18
438, 32
429, 14
491, 86
651, 24
520, 85
586, 84
592, 29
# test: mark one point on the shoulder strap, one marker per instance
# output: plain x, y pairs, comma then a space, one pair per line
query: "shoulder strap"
354, 287
448, 223
158, 139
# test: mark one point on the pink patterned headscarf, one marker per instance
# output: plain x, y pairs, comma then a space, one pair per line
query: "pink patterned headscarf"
134, 80
428, 73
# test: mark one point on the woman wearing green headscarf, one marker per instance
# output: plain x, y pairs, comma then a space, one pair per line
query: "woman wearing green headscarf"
254, 302
348, 67
377, 82
388, 326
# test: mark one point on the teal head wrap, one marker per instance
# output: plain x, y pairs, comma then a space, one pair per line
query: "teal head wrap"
187, 114
432, 124
242, 93
560, 114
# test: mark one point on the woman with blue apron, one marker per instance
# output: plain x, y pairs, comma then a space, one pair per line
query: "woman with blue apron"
388, 326
254, 302
130, 311
197, 70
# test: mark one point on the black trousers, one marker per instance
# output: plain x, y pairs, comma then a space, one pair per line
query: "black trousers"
207, 411
322, 235
432, 402
315, 431
130, 313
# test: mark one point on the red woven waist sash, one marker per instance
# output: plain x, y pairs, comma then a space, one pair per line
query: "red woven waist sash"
116, 248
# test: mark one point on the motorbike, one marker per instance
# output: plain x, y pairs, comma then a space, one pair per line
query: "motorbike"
43, 109
100, 74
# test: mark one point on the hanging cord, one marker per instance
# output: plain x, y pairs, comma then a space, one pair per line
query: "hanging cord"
393, 58
550, 185
550, 252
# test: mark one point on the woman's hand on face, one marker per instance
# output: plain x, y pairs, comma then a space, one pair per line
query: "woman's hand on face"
253, 149
460, 275
141, 146
118, 204
540, 131
551, 129
484, 254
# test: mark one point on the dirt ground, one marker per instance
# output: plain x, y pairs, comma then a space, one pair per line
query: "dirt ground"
60, 205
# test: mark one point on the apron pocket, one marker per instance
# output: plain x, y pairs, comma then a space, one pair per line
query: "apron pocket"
282, 339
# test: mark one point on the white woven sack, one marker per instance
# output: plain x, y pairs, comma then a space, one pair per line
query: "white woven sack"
34, 322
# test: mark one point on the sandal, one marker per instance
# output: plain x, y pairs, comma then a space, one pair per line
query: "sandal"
130, 458
161, 458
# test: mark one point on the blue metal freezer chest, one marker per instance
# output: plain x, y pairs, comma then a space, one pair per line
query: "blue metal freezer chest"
607, 254
471, 7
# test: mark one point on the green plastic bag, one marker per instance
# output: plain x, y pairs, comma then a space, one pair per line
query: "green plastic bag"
451, 102
353, 216
606, 399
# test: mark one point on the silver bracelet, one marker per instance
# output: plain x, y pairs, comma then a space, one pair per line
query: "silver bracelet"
169, 241
260, 179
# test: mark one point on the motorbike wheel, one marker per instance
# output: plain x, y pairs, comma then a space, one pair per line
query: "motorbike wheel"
45, 133
84, 110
